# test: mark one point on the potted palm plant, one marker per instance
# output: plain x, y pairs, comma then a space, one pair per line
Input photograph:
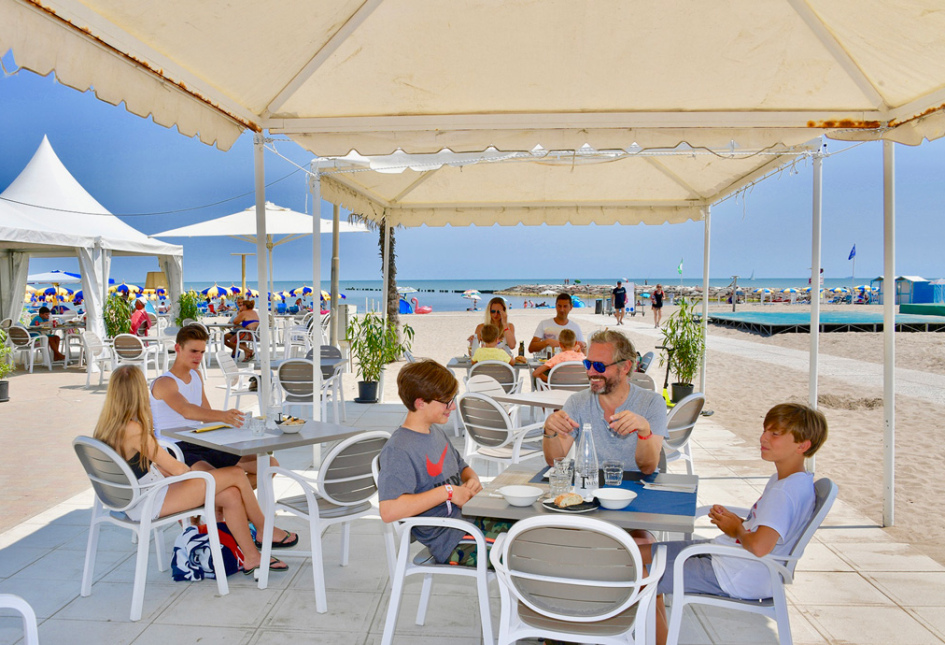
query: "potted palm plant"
374, 344
187, 307
117, 315
6, 367
683, 333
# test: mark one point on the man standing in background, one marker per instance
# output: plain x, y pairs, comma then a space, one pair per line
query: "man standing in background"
619, 299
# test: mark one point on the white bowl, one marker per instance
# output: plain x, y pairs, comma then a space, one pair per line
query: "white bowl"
287, 429
614, 498
521, 495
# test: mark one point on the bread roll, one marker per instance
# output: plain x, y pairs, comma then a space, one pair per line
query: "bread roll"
568, 499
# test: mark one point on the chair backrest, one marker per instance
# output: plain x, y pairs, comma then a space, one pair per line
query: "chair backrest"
93, 343
128, 347
6, 323
188, 321
484, 384
345, 476
645, 361
487, 423
307, 319
569, 375
295, 378
502, 372
330, 351
682, 419
111, 477
825, 492
153, 320
18, 336
228, 366
576, 569
643, 380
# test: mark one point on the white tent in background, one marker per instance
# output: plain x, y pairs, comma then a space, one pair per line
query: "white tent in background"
46, 212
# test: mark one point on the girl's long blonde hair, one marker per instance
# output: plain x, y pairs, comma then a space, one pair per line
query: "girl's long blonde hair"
127, 400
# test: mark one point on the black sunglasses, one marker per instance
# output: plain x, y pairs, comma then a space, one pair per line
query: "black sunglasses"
600, 367
496, 311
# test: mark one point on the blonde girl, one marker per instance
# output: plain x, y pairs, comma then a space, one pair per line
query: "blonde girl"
125, 424
497, 315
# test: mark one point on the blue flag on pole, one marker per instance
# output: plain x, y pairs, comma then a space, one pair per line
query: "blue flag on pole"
852, 252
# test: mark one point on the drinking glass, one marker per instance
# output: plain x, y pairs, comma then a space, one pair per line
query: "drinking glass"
560, 483
613, 472
273, 417
257, 426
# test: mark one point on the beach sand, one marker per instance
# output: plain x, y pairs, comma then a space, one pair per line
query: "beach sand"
741, 388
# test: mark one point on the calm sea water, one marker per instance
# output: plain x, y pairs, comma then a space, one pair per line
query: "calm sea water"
446, 295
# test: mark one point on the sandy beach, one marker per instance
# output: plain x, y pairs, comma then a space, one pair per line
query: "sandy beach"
748, 373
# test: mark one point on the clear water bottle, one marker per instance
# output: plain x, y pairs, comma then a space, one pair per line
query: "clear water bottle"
586, 466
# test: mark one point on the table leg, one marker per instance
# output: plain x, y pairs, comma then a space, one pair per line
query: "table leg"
267, 503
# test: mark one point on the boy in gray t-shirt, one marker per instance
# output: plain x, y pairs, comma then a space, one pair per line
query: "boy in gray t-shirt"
421, 474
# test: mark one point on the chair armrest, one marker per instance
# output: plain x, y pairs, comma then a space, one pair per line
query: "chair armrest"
407, 525
291, 474
173, 448
778, 572
149, 490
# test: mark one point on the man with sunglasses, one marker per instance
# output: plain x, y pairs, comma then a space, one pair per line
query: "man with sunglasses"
546, 334
628, 421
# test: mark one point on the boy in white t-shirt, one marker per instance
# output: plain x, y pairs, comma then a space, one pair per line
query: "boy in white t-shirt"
774, 524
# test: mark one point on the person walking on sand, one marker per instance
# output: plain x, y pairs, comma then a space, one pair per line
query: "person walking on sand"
619, 298
657, 305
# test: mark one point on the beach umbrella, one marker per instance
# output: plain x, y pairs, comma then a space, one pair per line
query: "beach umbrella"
215, 291
839, 290
285, 295
252, 293
301, 291
469, 292
762, 290
403, 290
789, 290
327, 296
54, 277
276, 296
548, 292
125, 288
59, 292
864, 287
472, 296
234, 290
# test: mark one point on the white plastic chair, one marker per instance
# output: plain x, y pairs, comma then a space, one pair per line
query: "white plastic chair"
485, 384
237, 381
128, 349
27, 345
338, 394
643, 380
780, 568
502, 372
400, 566
294, 378
98, 355
30, 630
340, 494
116, 491
680, 422
569, 375
490, 433
575, 579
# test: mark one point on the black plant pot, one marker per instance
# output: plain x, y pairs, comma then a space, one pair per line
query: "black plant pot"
4, 391
681, 391
367, 392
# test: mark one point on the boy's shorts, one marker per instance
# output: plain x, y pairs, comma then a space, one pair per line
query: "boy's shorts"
216, 458
465, 554
700, 576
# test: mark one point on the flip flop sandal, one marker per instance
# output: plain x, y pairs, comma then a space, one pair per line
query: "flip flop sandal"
285, 543
275, 564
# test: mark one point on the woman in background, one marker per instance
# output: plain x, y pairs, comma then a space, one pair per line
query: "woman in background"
497, 315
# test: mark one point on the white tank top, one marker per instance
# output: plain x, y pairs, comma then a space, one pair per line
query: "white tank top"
165, 417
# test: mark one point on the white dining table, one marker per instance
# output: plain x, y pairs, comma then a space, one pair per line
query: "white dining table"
550, 399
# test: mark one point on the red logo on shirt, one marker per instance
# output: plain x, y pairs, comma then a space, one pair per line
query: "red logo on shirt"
435, 470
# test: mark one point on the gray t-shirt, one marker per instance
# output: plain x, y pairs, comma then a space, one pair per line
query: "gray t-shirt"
411, 463
584, 407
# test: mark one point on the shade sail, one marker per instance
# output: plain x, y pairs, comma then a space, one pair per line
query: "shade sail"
546, 187
423, 75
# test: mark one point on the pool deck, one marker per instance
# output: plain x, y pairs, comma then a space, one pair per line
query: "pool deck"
854, 585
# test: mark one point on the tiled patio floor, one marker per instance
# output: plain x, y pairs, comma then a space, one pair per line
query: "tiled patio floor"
855, 584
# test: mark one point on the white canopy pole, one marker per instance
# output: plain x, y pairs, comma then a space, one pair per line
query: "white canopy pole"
315, 187
705, 293
889, 333
815, 277
260, 186
335, 268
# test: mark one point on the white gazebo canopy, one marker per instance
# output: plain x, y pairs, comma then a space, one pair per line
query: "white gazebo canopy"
46, 212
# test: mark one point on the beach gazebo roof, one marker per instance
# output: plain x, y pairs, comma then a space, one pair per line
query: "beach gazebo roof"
46, 211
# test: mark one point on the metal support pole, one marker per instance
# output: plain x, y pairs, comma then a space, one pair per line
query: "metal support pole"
889, 333
817, 209
259, 141
315, 187
384, 296
335, 267
705, 293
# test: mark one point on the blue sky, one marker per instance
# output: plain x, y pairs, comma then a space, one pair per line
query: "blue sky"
133, 166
